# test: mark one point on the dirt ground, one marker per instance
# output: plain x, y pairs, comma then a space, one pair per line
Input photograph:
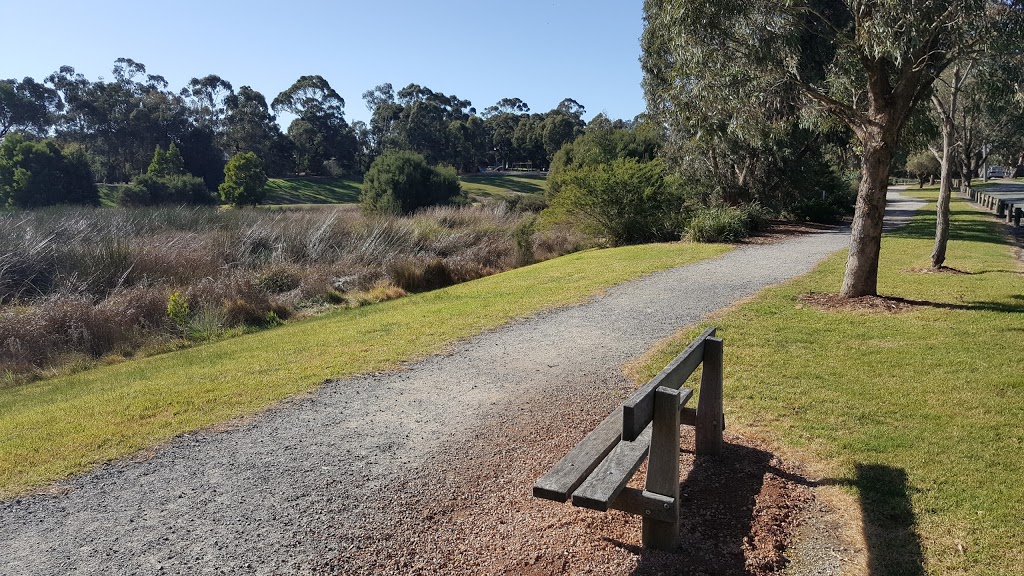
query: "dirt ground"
746, 512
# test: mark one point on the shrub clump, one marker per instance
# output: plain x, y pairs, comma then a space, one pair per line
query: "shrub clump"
166, 182
626, 200
34, 174
245, 180
718, 224
400, 182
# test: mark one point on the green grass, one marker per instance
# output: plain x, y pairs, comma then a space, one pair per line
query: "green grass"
502, 185
920, 414
109, 194
312, 191
57, 427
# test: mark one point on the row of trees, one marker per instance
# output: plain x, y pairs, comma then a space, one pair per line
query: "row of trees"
760, 95
118, 123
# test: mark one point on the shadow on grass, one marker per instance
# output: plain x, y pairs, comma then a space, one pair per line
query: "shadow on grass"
961, 229
718, 523
312, 190
521, 184
972, 306
894, 547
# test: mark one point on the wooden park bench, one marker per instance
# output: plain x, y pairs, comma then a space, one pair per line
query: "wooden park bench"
595, 472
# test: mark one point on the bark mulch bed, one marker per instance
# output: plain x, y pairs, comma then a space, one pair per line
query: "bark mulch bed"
878, 304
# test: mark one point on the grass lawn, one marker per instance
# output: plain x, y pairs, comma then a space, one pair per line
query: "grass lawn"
312, 191
109, 194
61, 426
919, 414
502, 184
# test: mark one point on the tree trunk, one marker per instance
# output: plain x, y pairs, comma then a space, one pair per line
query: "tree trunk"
948, 114
945, 190
861, 278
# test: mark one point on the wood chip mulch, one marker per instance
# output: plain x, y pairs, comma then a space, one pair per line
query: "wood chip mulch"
877, 304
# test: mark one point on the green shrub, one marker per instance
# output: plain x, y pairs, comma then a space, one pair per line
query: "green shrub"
626, 200
718, 224
245, 180
177, 309
826, 208
756, 216
400, 182
34, 174
150, 190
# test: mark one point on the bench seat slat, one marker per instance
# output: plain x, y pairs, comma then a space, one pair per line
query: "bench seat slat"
608, 479
567, 475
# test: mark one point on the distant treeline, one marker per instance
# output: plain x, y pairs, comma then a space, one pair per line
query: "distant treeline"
117, 124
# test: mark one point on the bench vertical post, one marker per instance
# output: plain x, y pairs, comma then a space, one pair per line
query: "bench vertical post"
1018, 212
710, 413
663, 469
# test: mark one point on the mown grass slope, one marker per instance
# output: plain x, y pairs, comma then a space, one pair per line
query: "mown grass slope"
920, 414
57, 427
502, 185
312, 191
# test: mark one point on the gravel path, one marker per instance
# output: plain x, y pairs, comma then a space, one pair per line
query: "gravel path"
306, 485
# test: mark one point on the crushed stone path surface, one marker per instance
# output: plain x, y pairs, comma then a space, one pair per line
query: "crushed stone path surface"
296, 489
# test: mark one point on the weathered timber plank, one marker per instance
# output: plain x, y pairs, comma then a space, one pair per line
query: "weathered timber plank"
645, 504
567, 475
710, 414
639, 408
663, 469
611, 476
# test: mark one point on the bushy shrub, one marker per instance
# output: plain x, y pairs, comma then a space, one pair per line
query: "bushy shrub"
34, 174
625, 200
400, 182
150, 190
244, 180
826, 208
166, 182
718, 224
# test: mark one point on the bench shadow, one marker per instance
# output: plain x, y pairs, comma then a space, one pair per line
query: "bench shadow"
717, 524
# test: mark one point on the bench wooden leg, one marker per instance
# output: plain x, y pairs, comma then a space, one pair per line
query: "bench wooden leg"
710, 415
663, 469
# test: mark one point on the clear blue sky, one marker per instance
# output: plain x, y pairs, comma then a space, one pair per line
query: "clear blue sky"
540, 51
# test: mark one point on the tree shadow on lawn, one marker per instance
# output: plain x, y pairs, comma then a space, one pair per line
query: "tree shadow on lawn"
971, 306
959, 230
739, 512
508, 183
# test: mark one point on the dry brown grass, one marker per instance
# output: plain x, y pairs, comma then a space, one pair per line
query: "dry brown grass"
81, 283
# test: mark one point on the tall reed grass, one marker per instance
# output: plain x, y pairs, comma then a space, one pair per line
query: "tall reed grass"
78, 285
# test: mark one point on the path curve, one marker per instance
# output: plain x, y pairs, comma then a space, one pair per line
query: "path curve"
292, 486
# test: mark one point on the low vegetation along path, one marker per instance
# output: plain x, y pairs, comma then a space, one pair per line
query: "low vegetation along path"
422, 470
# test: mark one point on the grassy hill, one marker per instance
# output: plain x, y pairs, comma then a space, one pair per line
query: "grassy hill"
503, 185
312, 191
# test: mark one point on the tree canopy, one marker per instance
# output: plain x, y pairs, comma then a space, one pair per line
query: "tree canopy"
745, 68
